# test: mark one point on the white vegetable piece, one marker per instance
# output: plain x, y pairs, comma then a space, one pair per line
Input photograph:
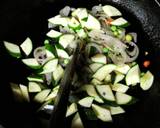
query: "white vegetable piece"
54, 34
77, 122
86, 102
103, 71
146, 80
106, 92
32, 63
111, 11
133, 76
99, 58
41, 96
27, 46
122, 98
92, 23
34, 87
119, 22
71, 109
50, 66
116, 110
66, 39
58, 20
13, 49
102, 113
120, 87
91, 91
25, 93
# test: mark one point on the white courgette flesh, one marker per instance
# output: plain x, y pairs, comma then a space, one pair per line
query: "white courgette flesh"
108, 78
62, 53
146, 80
35, 79
27, 46
25, 93
86, 102
49, 54
92, 23
102, 113
50, 66
74, 24
119, 22
41, 96
71, 109
120, 88
34, 87
116, 110
58, 20
103, 71
133, 76
122, 98
80, 13
111, 11
95, 66
53, 94
77, 122
124, 68
66, 39
58, 73
118, 77
32, 63
54, 34
99, 58
13, 49
91, 91
105, 91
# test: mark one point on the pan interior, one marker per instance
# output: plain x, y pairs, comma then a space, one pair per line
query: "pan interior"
139, 115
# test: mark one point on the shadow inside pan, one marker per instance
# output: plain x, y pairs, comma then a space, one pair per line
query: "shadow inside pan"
145, 113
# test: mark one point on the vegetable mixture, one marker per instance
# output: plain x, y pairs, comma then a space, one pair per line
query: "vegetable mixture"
107, 71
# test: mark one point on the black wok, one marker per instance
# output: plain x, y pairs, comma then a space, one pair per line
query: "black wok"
22, 18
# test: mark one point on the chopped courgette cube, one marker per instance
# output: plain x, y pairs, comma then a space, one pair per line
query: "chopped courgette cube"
86, 102
27, 46
105, 91
13, 49
102, 113
71, 109
146, 80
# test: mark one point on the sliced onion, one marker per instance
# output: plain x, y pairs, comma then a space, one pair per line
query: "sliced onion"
101, 15
105, 27
132, 55
118, 58
107, 40
65, 11
40, 54
134, 51
94, 34
88, 48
